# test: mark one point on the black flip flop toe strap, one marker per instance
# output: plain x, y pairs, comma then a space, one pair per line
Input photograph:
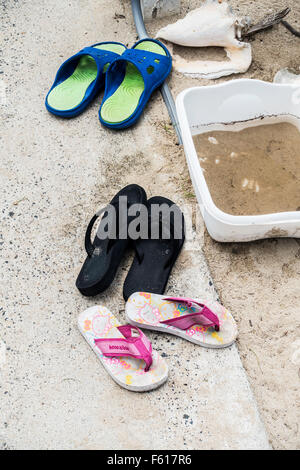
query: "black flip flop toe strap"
89, 246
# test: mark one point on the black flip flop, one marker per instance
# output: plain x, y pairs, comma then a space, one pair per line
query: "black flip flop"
155, 258
105, 255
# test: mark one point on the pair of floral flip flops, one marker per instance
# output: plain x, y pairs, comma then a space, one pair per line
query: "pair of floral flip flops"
129, 75
127, 354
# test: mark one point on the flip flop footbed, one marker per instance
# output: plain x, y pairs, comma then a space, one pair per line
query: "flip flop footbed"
98, 323
146, 310
70, 93
123, 103
155, 258
151, 274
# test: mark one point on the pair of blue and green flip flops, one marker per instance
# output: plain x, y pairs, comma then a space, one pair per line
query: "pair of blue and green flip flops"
129, 75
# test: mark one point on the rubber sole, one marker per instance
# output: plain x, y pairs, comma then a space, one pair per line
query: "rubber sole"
107, 280
123, 103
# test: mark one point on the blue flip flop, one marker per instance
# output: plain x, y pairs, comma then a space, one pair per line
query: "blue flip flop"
80, 78
131, 80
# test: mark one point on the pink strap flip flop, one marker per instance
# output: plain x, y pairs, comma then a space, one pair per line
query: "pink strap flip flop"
207, 324
125, 352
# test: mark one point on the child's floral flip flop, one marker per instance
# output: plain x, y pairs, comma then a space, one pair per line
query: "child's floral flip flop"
207, 324
125, 352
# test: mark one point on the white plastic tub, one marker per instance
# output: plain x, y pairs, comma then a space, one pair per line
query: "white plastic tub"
243, 102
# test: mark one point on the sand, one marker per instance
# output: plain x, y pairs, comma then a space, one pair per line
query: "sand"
253, 171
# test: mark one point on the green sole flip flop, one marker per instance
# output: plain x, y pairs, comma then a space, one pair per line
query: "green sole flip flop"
80, 78
131, 80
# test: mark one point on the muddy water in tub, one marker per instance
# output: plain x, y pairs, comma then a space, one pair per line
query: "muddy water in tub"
252, 171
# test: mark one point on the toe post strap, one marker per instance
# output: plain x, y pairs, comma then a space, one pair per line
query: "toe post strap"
133, 344
204, 317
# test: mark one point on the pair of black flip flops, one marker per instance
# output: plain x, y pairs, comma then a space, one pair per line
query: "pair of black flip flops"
155, 255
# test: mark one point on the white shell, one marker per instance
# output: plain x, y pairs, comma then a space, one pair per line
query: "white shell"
213, 24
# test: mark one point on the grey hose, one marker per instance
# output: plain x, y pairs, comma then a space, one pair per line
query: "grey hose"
165, 90
290, 28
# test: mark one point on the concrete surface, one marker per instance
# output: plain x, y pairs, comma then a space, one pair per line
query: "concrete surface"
160, 8
54, 175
